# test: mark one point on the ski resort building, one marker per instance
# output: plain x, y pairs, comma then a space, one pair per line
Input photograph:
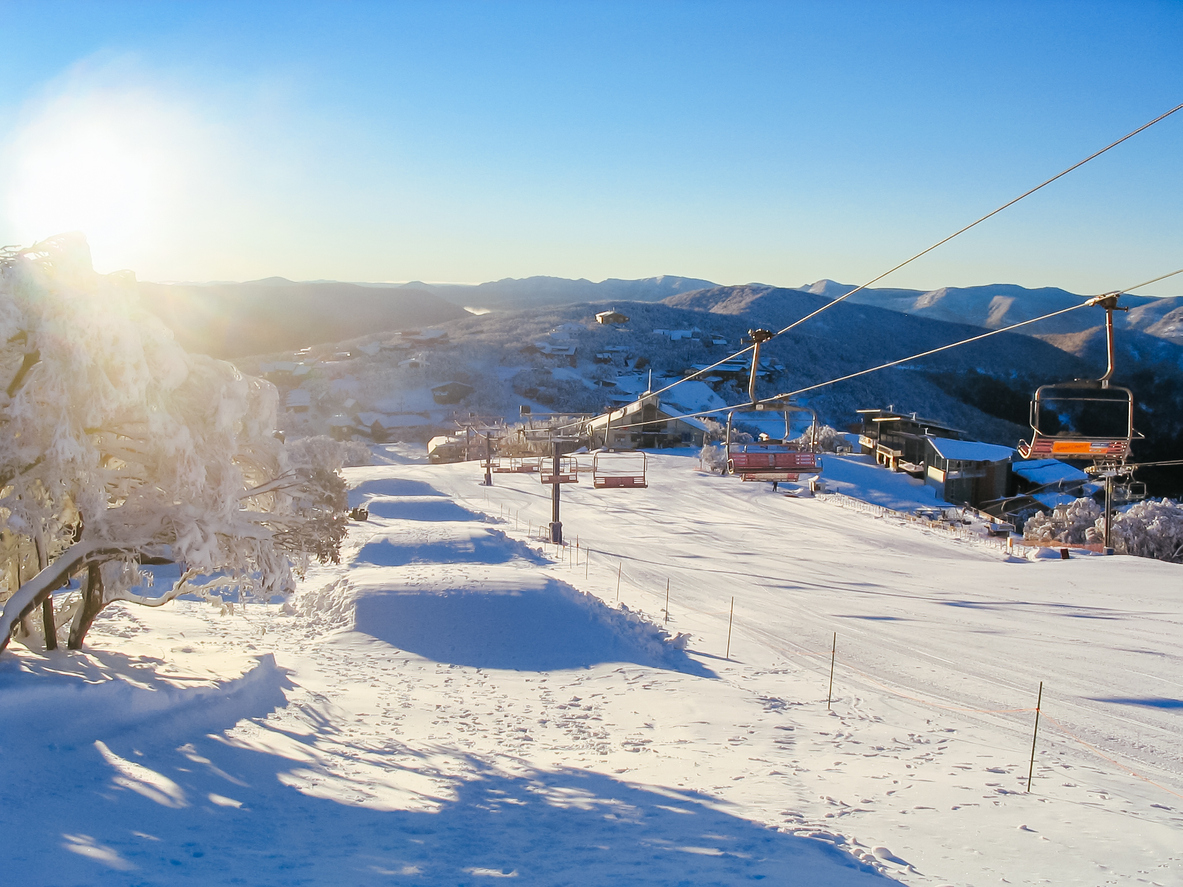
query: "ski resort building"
645, 424
451, 392
966, 471
899, 441
613, 316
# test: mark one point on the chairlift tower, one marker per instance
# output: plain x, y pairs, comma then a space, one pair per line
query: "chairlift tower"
560, 474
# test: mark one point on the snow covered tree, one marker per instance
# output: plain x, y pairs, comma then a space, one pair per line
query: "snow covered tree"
120, 449
1148, 529
826, 439
1069, 523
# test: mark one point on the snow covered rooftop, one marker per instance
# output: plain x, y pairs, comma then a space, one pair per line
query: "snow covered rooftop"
970, 450
1047, 471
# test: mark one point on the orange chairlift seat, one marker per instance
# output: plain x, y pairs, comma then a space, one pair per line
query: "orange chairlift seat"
1096, 422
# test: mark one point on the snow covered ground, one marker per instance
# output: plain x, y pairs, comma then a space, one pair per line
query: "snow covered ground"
457, 703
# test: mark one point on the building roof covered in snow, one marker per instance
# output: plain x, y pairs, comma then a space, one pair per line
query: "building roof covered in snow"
1047, 471
969, 450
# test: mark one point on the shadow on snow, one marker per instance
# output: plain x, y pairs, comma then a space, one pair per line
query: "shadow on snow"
136, 809
1144, 701
531, 625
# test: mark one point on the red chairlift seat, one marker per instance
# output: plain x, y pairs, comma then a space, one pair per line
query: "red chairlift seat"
771, 462
568, 471
619, 469
515, 465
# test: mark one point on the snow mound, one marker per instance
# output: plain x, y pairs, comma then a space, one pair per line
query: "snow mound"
467, 544
535, 624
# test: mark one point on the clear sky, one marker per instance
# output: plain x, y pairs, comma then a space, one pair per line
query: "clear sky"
734, 141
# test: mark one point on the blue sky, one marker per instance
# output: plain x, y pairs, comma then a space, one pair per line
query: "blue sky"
772, 142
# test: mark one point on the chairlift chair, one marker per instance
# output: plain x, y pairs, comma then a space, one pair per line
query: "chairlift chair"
619, 469
568, 470
1100, 422
771, 462
515, 465
1099, 416
774, 461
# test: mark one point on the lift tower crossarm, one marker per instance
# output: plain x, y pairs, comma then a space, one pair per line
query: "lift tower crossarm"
758, 337
1108, 301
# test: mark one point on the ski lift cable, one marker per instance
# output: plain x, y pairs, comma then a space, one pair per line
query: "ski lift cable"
924, 252
1090, 302
988, 215
780, 397
1134, 465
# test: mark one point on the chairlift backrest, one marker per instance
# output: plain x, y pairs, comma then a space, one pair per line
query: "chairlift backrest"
568, 470
1081, 420
619, 469
771, 462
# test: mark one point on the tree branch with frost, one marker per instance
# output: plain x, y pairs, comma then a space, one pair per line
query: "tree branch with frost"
170, 456
30, 595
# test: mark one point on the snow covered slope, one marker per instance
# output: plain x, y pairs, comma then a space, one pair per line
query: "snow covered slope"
458, 703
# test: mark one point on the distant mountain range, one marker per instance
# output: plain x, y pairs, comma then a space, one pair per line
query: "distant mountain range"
513, 294
237, 319
1003, 304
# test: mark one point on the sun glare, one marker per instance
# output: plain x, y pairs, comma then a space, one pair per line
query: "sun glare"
95, 166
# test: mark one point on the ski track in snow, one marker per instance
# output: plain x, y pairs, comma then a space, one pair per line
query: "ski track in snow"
458, 704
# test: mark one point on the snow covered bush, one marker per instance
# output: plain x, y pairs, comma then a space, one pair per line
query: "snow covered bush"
120, 449
1149, 529
826, 438
713, 458
1068, 523
324, 452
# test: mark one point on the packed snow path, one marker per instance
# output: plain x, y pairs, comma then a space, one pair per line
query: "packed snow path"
449, 707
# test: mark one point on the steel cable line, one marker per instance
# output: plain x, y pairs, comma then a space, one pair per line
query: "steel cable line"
924, 252
995, 212
1085, 304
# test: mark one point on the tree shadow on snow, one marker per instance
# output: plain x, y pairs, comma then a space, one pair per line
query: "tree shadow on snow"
535, 625
468, 545
222, 811
65, 699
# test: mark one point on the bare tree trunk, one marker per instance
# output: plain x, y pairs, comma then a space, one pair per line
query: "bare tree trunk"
48, 625
30, 595
92, 605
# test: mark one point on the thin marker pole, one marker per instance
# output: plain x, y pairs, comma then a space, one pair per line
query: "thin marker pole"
1038, 704
830, 692
730, 617
586, 560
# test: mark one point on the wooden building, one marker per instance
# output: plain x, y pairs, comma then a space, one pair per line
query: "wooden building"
899, 441
613, 316
644, 424
966, 471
